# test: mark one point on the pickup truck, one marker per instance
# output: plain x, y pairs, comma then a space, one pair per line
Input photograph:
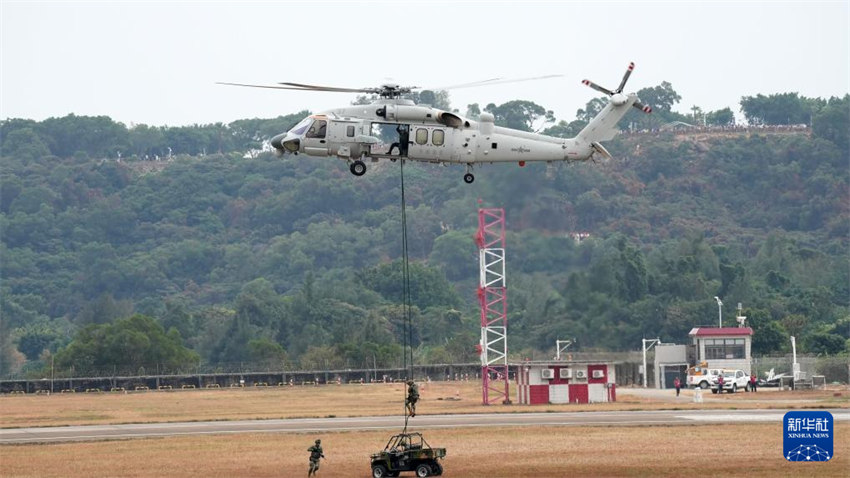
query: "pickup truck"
732, 381
702, 377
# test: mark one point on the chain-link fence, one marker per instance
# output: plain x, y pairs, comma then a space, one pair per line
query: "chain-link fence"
834, 369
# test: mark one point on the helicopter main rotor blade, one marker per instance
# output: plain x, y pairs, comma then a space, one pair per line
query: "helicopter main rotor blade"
464, 85
302, 86
273, 87
597, 87
626, 77
495, 81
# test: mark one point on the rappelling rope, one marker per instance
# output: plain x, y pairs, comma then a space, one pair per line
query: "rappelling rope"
408, 322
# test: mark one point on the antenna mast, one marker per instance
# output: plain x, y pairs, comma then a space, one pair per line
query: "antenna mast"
492, 296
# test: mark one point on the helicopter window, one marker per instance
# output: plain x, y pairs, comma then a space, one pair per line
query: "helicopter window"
317, 130
301, 127
438, 137
349, 131
421, 136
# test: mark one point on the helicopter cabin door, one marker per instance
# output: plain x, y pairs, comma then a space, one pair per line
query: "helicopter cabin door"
394, 140
315, 139
428, 143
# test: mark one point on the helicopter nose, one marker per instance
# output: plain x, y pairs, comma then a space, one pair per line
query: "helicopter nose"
286, 142
277, 141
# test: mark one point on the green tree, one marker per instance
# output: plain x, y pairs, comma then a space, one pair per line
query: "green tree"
822, 343
428, 286
783, 108
722, 117
832, 122
456, 254
126, 344
519, 114
24, 144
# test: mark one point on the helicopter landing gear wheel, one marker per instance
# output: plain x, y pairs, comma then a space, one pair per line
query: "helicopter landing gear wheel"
358, 168
468, 178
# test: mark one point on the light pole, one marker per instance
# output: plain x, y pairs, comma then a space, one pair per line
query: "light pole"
719, 311
652, 342
560, 348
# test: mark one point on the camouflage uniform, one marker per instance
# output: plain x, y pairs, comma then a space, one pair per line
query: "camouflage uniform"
315, 454
412, 397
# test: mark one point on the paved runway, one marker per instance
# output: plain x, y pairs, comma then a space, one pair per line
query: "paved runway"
314, 425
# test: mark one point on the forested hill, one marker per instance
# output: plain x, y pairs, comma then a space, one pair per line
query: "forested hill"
254, 258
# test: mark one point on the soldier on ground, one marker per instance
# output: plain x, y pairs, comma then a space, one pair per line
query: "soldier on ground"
412, 397
315, 455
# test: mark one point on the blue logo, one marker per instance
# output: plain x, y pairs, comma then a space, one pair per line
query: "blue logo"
807, 436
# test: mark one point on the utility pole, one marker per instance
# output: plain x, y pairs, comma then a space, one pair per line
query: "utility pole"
652, 343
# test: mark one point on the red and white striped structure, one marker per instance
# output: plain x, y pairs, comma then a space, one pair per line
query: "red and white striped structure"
492, 296
563, 382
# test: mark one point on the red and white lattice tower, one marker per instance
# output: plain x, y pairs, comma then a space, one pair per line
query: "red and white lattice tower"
492, 296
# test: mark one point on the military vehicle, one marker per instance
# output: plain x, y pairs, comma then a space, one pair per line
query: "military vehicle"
407, 452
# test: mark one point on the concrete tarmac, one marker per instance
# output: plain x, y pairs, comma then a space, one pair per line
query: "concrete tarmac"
420, 422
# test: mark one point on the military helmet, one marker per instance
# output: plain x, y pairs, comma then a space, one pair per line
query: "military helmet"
410, 382
318, 441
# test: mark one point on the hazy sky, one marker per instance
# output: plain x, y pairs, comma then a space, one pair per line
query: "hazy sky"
157, 62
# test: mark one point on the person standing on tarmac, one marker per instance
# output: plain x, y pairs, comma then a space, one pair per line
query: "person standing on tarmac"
677, 384
412, 397
315, 455
720, 381
754, 383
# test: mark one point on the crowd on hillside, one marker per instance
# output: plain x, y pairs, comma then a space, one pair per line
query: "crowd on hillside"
684, 129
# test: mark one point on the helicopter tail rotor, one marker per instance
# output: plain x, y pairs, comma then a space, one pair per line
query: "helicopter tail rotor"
617, 96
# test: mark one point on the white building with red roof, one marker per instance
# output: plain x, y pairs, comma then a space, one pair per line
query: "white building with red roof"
724, 347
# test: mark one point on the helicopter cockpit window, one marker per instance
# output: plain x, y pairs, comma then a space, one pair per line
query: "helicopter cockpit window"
438, 137
421, 136
317, 129
301, 126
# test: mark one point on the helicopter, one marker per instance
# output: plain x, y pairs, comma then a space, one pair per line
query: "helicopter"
394, 127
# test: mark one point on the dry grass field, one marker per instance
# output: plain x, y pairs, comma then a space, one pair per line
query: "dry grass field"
753, 450
348, 401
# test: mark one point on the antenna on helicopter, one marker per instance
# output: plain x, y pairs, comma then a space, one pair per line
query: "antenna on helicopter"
617, 96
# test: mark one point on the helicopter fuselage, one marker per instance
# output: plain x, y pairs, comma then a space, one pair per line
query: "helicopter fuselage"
422, 133
396, 128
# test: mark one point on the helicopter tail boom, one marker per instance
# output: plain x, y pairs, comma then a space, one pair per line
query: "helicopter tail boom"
603, 127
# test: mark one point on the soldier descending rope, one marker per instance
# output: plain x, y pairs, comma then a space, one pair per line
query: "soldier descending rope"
315, 455
412, 397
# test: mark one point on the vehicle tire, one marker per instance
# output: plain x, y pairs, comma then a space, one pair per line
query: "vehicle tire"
747, 387
379, 471
393, 474
703, 385
713, 391
468, 178
423, 470
734, 388
437, 468
358, 168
